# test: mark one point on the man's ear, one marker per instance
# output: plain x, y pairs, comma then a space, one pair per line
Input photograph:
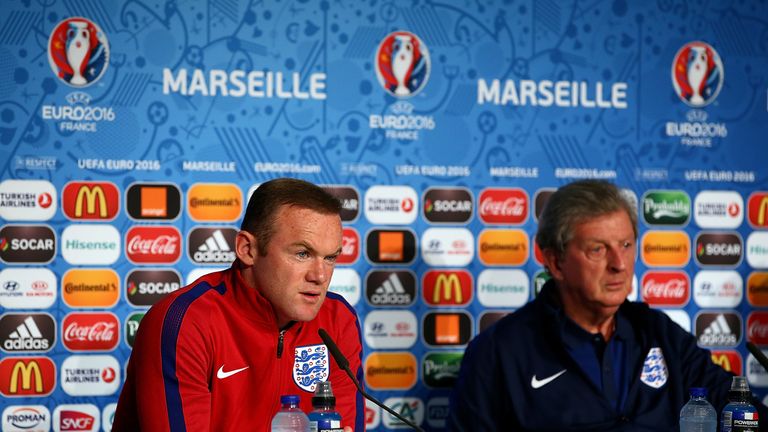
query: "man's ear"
552, 263
246, 248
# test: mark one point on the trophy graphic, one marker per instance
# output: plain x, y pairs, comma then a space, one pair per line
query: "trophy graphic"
78, 45
697, 73
401, 62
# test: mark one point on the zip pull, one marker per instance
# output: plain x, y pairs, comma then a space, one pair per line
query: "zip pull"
280, 343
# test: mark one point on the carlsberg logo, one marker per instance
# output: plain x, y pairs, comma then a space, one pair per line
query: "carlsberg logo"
666, 207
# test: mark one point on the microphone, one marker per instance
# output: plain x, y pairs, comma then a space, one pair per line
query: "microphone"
344, 364
759, 356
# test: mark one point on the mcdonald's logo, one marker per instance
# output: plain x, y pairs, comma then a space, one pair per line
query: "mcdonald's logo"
447, 287
728, 360
27, 376
90, 201
757, 210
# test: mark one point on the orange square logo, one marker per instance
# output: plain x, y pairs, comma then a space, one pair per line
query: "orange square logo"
391, 246
447, 329
154, 201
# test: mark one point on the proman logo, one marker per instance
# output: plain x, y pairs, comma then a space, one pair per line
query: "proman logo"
503, 247
665, 248
99, 201
26, 418
666, 207
208, 202
447, 287
757, 209
729, 360
27, 376
390, 371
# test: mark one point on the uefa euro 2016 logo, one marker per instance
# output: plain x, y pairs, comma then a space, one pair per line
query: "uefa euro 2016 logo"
78, 52
697, 74
402, 64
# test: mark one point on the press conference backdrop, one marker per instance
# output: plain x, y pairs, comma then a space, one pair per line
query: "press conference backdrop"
133, 132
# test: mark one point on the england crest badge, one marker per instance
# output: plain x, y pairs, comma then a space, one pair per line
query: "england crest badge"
655, 371
310, 366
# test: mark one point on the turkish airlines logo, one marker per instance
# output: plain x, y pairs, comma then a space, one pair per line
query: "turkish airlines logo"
29, 418
27, 376
447, 287
718, 209
76, 418
27, 288
718, 329
214, 202
92, 375
86, 288
503, 247
391, 205
349, 199
350, 246
448, 205
665, 248
719, 288
391, 371
99, 201
447, 328
212, 245
757, 209
390, 288
390, 246
30, 200
666, 288
153, 244
20, 244
153, 201
719, 249
503, 206
147, 287
757, 289
90, 331
27, 332
757, 328
451, 247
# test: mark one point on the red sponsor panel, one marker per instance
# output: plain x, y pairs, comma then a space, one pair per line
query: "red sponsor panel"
447, 287
757, 328
87, 331
537, 254
666, 288
505, 206
727, 359
153, 245
757, 209
27, 376
71, 420
90, 201
350, 246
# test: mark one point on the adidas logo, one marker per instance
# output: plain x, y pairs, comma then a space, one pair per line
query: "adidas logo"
391, 292
718, 333
215, 249
26, 337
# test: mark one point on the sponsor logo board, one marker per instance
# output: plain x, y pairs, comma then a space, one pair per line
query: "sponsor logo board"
87, 288
507, 247
390, 329
208, 202
390, 371
91, 201
28, 200
386, 246
27, 288
90, 244
27, 244
153, 201
451, 247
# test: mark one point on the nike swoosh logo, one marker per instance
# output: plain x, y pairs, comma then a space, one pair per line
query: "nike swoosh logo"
220, 374
537, 383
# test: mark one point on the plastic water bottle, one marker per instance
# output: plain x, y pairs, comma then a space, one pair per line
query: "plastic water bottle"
698, 415
739, 415
324, 417
290, 418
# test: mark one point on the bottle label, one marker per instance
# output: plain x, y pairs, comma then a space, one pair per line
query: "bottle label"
744, 421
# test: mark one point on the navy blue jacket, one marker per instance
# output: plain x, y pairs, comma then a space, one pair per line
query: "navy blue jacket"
496, 389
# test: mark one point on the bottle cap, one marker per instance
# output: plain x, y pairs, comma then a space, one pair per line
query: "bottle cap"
289, 399
698, 392
324, 395
739, 384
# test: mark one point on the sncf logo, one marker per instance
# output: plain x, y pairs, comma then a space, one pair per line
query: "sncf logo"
447, 287
504, 206
757, 210
27, 376
90, 201
728, 360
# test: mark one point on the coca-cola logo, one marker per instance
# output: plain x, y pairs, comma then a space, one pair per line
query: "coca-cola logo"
90, 331
757, 328
350, 247
507, 206
153, 244
666, 288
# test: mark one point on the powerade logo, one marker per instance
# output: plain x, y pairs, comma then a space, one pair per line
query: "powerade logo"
447, 205
697, 74
718, 329
666, 207
147, 287
390, 288
441, 369
719, 249
27, 244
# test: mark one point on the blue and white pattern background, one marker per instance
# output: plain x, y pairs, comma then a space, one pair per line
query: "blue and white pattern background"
622, 51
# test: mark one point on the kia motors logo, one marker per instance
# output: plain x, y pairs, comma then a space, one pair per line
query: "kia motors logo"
391, 205
132, 323
718, 329
76, 418
447, 328
214, 202
153, 245
90, 331
91, 375
718, 209
212, 245
666, 207
666, 288
346, 282
349, 199
447, 205
441, 369
757, 328
26, 418
97, 201
27, 288
88, 288
29, 200
507, 247
383, 246
21, 244
719, 249
757, 250
390, 329
503, 288
447, 287
402, 64
697, 74
350, 246
153, 201
503, 206
723, 289
729, 360
390, 371
27, 332
146, 287
390, 288
757, 209
447, 247
27, 376
665, 248
90, 244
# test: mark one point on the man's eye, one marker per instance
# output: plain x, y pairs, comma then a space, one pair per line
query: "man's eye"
302, 254
595, 252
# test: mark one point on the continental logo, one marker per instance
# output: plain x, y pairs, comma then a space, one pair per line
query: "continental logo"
447, 287
757, 289
719, 249
727, 359
27, 376
666, 207
214, 202
441, 369
95, 201
90, 288
147, 287
757, 209
153, 201
349, 199
665, 249
503, 247
447, 205
390, 246
447, 328
391, 371
22, 244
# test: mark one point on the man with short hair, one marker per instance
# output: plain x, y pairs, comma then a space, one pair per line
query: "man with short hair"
580, 357
219, 353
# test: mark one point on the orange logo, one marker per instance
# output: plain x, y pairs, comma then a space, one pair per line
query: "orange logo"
154, 201
757, 289
27, 376
391, 246
214, 202
665, 248
447, 329
728, 360
84, 288
390, 370
503, 247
